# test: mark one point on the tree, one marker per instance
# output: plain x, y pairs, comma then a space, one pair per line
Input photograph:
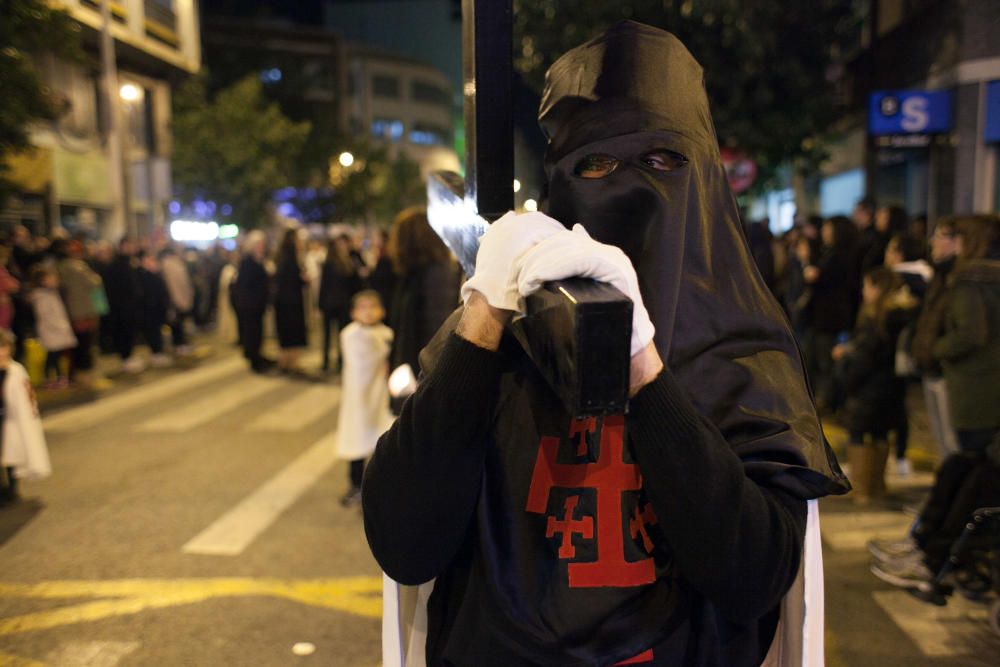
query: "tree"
377, 185
766, 63
235, 149
26, 27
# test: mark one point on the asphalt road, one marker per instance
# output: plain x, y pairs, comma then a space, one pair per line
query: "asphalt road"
192, 519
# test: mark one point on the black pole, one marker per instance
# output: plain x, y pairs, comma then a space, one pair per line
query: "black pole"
487, 27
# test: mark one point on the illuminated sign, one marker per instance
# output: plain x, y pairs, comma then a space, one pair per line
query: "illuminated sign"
909, 112
992, 130
193, 230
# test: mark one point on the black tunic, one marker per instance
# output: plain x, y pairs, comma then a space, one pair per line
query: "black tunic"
289, 305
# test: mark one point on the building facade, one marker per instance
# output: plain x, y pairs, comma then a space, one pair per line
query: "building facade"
402, 104
66, 181
922, 120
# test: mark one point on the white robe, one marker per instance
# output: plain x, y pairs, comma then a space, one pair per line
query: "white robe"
364, 403
24, 446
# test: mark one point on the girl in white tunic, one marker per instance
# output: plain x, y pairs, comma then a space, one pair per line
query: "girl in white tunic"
23, 453
364, 407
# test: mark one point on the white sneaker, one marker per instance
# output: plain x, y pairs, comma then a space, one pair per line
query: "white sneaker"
133, 365
903, 467
891, 549
905, 572
160, 361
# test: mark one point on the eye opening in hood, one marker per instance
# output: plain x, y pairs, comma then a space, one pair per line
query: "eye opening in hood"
595, 165
598, 165
663, 159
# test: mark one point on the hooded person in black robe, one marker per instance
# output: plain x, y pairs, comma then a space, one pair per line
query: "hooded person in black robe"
665, 536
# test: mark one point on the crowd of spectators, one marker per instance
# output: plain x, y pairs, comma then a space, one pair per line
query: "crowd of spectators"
75, 297
880, 302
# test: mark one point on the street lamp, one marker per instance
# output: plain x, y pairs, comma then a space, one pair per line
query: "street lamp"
346, 159
130, 92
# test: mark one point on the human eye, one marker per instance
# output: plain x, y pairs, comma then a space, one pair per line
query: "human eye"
595, 165
663, 160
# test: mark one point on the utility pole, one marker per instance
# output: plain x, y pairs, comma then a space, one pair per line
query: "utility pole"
118, 225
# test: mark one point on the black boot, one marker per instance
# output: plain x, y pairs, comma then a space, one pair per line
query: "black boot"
9, 493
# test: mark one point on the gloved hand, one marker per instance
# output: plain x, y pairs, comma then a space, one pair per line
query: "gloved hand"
572, 254
504, 242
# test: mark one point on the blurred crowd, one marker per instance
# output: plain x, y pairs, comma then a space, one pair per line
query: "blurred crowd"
74, 297
880, 303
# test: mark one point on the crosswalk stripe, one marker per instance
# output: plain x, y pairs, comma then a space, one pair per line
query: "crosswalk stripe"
299, 411
92, 653
109, 407
235, 530
850, 531
941, 631
188, 417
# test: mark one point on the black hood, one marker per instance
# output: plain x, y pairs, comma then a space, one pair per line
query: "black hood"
633, 91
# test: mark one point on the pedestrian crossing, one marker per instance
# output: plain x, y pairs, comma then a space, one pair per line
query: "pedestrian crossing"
299, 411
191, 416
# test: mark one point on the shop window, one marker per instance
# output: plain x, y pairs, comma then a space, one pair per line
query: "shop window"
387, 128
427, 135
838, 194
385, 86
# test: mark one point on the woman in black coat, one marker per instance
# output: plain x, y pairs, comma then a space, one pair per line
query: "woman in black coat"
833, 285
289, 302
339, 281
426, 288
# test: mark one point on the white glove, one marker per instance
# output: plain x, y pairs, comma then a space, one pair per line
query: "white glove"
572, 254
504, 241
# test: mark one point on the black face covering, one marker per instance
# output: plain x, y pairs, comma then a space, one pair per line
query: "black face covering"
633, 157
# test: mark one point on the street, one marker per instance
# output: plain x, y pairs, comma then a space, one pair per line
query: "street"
193, 520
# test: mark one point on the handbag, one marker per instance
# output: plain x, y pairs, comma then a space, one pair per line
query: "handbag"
99, 301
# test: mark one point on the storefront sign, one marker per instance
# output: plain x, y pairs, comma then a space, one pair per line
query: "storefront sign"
992, 130
909, 112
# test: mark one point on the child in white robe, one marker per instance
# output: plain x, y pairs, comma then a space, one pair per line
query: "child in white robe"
364, 406
23, 453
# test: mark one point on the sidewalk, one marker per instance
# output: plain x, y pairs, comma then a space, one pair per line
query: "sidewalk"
111, 379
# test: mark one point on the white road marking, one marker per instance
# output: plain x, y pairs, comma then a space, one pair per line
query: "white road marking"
850, 531
91, 654
235, 530
190, 416
959, 628
299, 411
109, 407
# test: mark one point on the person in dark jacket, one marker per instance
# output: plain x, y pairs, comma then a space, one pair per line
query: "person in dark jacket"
122, 288
251, 294
339, 281
289, 301
426, 287
866, 374
832, 304
155, 303
928, 328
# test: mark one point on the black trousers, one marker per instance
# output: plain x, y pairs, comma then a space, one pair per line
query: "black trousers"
356, 472
153, 333
83, 353
965, 482
177, 335
122, 336
328, 328
251, 326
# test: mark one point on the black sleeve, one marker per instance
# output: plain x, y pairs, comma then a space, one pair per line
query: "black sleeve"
737, 542
422, 484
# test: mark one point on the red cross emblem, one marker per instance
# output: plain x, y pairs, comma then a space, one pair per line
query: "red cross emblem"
609, 476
